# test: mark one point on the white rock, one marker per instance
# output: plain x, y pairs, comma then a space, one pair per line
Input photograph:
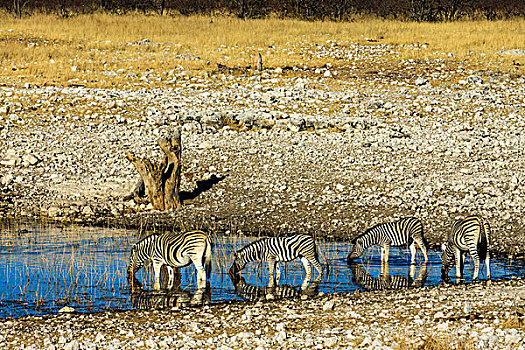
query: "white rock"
29, 159
66, 309
439, 314
74, 345
421, 81
329, 305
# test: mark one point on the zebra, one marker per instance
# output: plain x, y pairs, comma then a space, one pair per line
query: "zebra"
385, 281
173, 251
472, 235
277, 249
402, 232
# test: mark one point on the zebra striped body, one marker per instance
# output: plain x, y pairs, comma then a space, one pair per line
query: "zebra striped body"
174, 251
471, 235
277, 249
407, 231
386, 281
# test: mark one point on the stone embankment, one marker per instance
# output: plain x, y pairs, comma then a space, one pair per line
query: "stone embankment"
476, 316
324, 150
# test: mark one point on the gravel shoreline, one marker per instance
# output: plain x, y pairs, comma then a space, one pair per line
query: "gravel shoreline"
481, 316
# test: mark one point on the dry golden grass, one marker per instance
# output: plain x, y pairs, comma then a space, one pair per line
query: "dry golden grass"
54, 50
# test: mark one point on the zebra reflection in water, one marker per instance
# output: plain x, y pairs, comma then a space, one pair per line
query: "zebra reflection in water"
250, 292
170, 295
385, 281
167, 299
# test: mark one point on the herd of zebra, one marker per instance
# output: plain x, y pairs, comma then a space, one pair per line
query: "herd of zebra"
469, 235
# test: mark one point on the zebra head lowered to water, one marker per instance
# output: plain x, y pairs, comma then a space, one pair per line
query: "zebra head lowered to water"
472, 235
277, 249
174, 251
407, 231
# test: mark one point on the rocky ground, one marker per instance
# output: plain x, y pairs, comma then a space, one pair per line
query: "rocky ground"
327, 150
476, 316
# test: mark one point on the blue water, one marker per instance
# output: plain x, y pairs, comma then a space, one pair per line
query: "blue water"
46, 268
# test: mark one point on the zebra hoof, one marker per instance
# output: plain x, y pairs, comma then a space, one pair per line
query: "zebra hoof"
446, 281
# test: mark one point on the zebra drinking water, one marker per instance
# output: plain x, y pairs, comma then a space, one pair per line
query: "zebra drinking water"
407, 231
277, 249
174, 251
471, 235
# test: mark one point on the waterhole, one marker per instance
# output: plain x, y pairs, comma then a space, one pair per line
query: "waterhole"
44, 268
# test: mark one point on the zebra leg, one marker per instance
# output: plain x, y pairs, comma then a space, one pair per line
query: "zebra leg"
475, 257
412, 248
177, 277
308, 276
170, 276
201, 273
459, 268
386, 251
423, 249
319, 269
271, 268
277, 273
487, 257
411, 274
157, 266
487, 262
385, 269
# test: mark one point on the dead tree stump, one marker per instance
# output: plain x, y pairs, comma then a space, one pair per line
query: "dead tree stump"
162, 180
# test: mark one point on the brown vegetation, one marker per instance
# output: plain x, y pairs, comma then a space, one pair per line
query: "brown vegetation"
340, 10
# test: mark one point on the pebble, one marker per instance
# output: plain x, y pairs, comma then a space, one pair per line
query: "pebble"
329, 305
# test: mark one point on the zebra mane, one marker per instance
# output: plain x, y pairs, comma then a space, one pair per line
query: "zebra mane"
145, 240
248, 246
367, 232
149, 237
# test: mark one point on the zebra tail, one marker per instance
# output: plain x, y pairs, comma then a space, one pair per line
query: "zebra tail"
482, 243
